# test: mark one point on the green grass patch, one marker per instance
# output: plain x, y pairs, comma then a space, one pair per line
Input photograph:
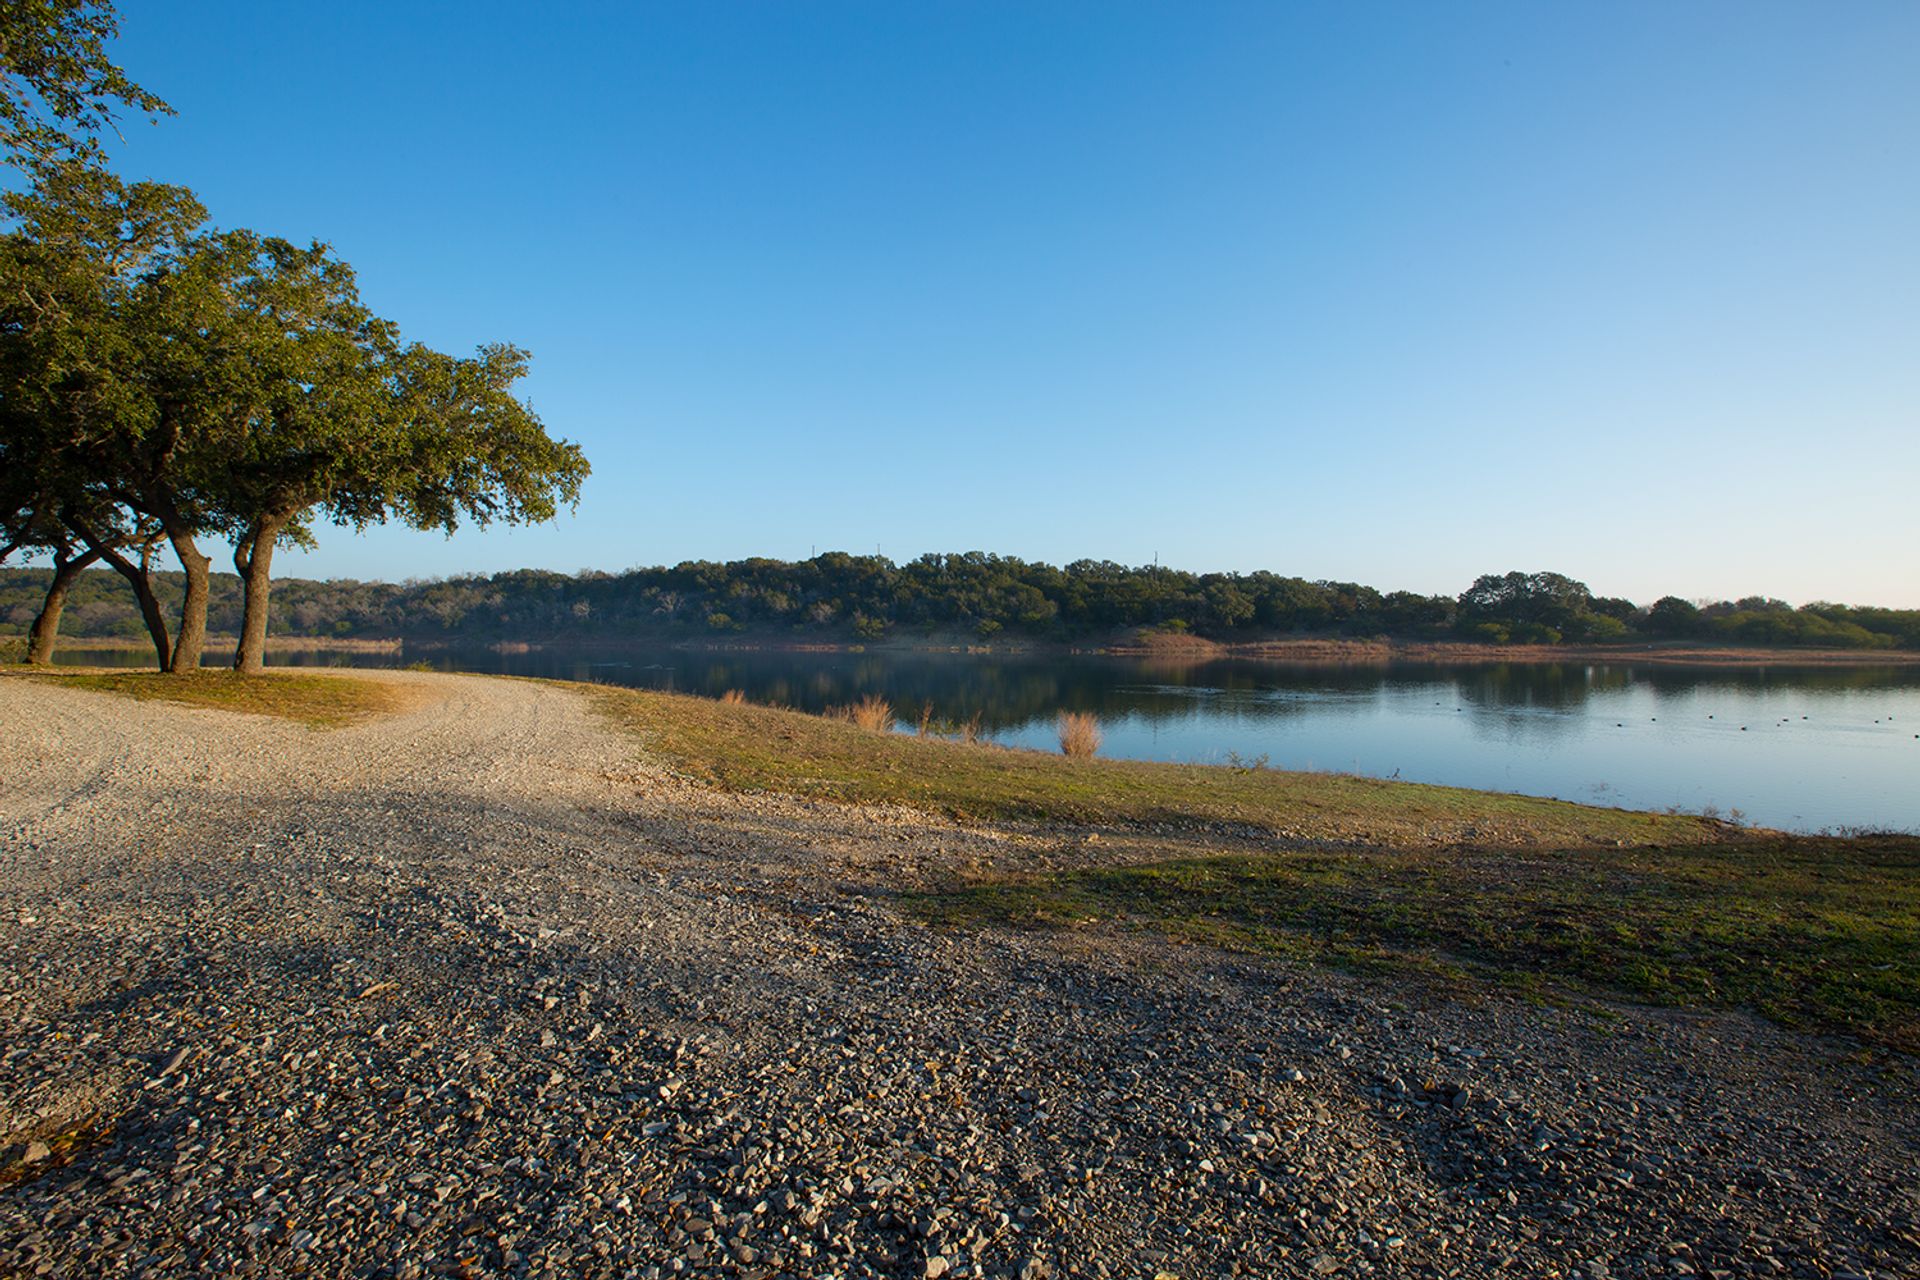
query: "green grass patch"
324, 702
750, 748
1818, 933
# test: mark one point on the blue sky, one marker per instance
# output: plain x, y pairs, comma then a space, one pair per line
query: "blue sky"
1399, 294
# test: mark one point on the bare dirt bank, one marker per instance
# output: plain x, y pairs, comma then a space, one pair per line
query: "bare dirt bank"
1385, 652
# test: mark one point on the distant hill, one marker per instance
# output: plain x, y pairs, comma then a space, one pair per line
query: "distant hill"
838, 598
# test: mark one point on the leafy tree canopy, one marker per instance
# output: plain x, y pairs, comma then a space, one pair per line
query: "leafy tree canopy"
58, 88
158, 372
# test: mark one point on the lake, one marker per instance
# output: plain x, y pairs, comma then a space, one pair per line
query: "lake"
1803, 748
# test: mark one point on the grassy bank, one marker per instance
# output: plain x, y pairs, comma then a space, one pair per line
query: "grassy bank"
749, 748
324, 702
1470, 887
1813, 932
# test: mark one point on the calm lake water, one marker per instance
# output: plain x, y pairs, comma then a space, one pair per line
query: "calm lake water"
1804, 748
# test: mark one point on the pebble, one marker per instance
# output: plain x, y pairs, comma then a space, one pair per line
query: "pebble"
481, 990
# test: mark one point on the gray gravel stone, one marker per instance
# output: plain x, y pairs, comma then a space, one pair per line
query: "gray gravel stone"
479, 989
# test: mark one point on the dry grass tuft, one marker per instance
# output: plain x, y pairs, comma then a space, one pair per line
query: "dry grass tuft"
734, 698
925, 723
972, 731
1079, 734
872, 713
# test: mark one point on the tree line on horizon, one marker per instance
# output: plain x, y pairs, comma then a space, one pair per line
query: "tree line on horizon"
165, 381
975, 597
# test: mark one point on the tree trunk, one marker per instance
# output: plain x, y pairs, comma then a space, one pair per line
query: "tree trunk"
141, 580
253, 558
193, 608
46, 627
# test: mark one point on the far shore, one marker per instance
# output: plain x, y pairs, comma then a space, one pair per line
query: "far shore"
275, 644
1163, 647
1453, 653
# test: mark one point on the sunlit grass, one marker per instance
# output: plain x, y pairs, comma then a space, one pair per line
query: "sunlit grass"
1469, 886
753, 748
324, 702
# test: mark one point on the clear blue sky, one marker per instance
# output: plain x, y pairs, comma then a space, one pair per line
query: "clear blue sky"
1392, 293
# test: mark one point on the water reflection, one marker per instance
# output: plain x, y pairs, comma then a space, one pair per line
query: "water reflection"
1801, 747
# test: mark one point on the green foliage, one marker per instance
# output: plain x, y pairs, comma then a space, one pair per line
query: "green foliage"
1603, 628
157, 375
832, 595
59, 88
1671, 616
1531, 605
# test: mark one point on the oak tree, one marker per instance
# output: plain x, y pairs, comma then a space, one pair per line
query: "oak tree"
160, 380
59, 89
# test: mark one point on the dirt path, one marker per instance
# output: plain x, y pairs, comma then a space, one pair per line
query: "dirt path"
475, 990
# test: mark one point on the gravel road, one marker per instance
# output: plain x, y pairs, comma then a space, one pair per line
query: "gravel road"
476, 990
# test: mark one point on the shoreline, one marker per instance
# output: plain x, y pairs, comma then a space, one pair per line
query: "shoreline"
519, 944
1189, 649
1452, 653
225, 644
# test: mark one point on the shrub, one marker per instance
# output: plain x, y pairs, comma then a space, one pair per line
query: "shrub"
872, 713
734, 698
1079, 734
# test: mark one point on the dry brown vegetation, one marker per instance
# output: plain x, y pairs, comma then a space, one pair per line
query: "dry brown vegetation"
872, 713
1079, 734
734, 698
322, 701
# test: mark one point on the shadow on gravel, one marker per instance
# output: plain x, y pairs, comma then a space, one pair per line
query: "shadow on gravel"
52, 1145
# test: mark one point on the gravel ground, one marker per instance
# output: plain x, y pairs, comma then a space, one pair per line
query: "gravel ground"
475, 990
